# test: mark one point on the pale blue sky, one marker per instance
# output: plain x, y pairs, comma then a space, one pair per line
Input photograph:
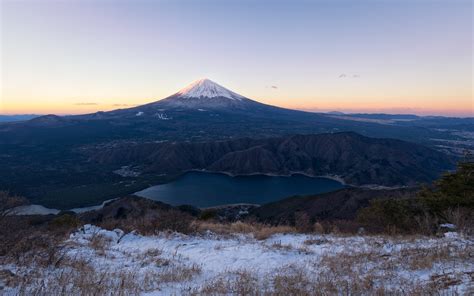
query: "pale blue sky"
399, 56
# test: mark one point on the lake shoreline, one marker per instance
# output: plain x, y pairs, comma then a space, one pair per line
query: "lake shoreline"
331, 177
37, 209
205, 189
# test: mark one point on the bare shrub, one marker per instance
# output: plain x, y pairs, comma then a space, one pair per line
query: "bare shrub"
8, 203
99, 243
424, 258
318, 228
462, 218
78, 277
316, 241
303, 222
291, 280
426, 223
281, 247
64, 224
265, 232
233, 283
153, 252
169, 220
177, 273
42, 248
445, 281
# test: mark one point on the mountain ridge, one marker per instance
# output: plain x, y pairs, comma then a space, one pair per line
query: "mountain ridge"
357, 159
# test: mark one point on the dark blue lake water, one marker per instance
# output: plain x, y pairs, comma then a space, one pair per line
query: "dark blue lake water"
209, 189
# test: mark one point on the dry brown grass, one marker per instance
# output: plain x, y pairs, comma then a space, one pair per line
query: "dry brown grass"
425, 258
154, 280
296, 280
170, 220
462, 218
318, 228
99, 243
233, 283
352, 271
316, 241
291, 280
281, 247
77, 277
259, 231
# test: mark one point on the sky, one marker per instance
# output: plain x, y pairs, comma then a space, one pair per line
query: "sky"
392, 56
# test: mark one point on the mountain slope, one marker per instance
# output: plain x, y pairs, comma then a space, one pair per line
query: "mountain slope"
338, 205
201, 111
202, 95
357, 159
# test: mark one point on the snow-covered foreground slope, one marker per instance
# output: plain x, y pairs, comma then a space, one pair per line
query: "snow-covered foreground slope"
284, 264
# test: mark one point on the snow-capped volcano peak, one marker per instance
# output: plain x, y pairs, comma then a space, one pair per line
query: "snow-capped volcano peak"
209, 89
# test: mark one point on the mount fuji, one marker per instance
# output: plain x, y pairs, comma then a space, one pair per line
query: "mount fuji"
201, 111
205, 94
203, 126
201, 96
205, 88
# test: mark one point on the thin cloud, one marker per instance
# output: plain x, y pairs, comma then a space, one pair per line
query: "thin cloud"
122, 105
274, 87
343, 75
86, 104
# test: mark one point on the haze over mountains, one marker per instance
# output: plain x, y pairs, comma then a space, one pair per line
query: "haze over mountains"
205, 110
17, 117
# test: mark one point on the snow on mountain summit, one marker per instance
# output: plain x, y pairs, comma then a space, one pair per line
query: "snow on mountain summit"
209, 89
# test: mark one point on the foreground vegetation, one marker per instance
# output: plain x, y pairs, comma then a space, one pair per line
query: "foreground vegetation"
415, 245
95, 261
449, 201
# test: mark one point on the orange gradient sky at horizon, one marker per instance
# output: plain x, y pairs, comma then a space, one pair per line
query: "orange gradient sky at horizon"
74, 57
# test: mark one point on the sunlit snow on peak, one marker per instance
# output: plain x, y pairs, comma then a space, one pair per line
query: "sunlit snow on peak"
207, 88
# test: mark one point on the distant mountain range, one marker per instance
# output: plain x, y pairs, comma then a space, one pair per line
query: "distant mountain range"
205, 110
206, 126
18, 117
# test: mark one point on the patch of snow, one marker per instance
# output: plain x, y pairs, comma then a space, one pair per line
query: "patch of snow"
34, 210
451, 234
217, 255
42, 210
162, 116
448, 225
209, 89
91, 208
139, 113
224, 256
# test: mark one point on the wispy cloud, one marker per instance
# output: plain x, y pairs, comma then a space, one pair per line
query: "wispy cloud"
344, 75
86, 104
122, 105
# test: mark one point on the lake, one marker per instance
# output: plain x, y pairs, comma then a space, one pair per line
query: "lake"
202, 189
